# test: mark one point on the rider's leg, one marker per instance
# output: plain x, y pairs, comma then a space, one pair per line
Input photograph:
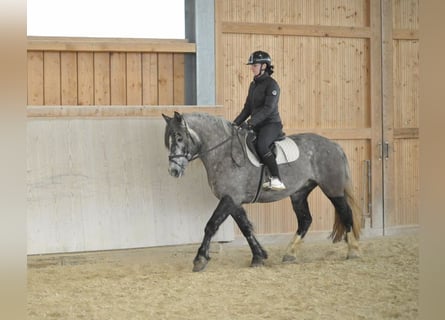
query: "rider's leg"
266, 136
274, 182
269, 160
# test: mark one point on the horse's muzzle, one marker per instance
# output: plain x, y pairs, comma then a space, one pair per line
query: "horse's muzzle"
174, 172
177, 166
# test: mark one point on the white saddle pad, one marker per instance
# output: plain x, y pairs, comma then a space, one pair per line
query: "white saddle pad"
286, 149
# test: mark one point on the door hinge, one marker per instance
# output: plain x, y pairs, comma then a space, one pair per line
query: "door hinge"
367, 189
384, 150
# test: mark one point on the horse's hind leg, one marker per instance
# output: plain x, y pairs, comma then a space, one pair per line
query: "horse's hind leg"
304, 219
344, 214
222, 211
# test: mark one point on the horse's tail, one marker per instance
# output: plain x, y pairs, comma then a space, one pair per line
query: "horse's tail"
339, 230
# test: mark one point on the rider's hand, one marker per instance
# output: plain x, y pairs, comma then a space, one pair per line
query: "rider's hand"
246, 125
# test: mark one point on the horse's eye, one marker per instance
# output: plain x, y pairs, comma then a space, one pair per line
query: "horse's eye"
178, 137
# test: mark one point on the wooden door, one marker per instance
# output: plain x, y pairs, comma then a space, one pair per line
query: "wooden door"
400, 145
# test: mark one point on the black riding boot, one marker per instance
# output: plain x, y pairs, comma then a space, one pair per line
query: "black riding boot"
269, 160
275, 181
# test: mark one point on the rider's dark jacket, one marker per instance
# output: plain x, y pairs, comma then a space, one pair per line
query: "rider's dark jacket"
261, 102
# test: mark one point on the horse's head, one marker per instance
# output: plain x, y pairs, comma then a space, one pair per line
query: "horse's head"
180, 142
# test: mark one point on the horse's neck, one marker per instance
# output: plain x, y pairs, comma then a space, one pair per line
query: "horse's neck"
210, 131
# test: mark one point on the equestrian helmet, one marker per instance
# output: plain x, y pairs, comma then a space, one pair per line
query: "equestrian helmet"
260, 57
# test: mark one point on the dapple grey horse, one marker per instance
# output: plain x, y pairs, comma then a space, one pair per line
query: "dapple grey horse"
235, 181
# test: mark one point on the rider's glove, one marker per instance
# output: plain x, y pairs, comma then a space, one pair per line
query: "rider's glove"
246, 125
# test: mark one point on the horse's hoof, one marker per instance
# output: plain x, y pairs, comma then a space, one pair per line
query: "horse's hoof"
289, 259
199, 264
257, 262
353, 254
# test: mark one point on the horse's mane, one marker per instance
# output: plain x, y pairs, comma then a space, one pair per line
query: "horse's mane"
208, 119
208, 122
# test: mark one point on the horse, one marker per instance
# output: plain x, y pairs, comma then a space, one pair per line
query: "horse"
235, 181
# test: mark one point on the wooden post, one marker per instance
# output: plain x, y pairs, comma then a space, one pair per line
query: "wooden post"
388, 110
375, 69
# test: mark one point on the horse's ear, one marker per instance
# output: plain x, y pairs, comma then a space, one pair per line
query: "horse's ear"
179, 119
167, 118
178, 116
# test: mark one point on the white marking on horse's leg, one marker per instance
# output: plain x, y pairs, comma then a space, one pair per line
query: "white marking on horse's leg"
353, 249
293, 245
291, 250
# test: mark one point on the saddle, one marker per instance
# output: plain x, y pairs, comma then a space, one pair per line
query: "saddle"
284, 149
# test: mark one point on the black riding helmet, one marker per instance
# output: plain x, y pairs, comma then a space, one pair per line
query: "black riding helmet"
260, 57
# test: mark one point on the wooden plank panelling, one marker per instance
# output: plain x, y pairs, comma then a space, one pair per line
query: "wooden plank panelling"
406, 194
405, 14
376, 77
69, 78
51, 78
402, 176
85, 65
35, 78
134, 79
331, 76
406, 83
405, 34
296, 30
406, 133
165, 79
297, 12
400, 111
118, 78
150, 79
102, 79
109, 44
178, 79
79, 71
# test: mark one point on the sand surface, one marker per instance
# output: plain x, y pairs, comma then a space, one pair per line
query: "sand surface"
157, 283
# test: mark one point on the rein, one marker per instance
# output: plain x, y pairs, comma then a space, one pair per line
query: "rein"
197, 155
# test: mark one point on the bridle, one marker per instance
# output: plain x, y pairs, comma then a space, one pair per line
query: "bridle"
187, 154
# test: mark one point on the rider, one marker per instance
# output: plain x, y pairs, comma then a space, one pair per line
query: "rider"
262, 107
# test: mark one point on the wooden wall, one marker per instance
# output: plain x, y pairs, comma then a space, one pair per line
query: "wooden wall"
402, 113
327, 57
321, 53
82, 71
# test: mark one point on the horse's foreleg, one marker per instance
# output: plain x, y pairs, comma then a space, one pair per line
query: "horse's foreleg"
259, 254
220, 214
